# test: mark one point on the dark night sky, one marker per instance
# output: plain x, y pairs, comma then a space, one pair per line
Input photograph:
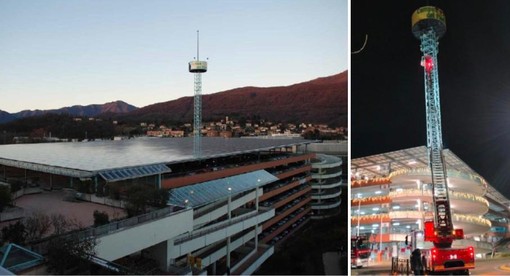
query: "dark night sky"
387, 92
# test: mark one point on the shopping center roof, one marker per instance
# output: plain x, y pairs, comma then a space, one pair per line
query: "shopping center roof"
380, 165
86, 159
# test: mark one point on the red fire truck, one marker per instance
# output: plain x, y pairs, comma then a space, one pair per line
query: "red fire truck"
437, 255
360, 251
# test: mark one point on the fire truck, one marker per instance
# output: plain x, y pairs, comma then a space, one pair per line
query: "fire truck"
437, 254
360, 251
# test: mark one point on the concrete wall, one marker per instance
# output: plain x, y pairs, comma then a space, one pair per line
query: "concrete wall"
332, 148
136, 238
220, 211
218, 235
259, 261
203, 177
220, 253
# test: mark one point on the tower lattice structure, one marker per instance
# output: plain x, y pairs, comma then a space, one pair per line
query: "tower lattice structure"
428, 26
197, 116
197, 67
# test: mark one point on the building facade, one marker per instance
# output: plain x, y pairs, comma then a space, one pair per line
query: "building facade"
392, 195
326, 185
226, 212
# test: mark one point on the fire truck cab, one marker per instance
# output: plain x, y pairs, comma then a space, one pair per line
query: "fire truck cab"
442, 260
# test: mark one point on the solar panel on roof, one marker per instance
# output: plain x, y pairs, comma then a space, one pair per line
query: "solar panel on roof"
85, 159
210, 191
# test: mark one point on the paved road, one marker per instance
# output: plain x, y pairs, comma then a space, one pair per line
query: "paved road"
331, 261
53, 203
496, 266
373, 269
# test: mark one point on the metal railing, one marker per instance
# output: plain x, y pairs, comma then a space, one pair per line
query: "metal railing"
39, 246
130, 222
428, 193
400, 266
450, 172
218, 226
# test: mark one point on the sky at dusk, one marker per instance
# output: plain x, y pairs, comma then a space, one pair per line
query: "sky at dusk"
62, 53
387, 90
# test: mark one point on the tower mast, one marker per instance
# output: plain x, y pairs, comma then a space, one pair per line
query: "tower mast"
428, 25
197, 67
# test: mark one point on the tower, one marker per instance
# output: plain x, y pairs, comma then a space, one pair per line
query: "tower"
428, 25
197, 67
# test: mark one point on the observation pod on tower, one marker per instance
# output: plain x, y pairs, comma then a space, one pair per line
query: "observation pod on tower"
197, 66
426, 18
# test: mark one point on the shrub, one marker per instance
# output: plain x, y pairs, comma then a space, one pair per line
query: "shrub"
14, 233
5, 196
100, 218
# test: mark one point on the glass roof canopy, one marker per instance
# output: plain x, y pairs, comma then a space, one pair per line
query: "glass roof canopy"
15, 258
89, 159
128, 173
379, 165
203, 193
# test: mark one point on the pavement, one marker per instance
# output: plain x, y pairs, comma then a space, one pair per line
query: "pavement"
331, 261
505, 267
52, 202
373, 268
381, 268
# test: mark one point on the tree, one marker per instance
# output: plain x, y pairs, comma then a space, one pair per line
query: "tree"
100, 218
159, 198
14, 233
140, 197
69, 253
63, 225
36, 226
5, 196
137, 200
114, 190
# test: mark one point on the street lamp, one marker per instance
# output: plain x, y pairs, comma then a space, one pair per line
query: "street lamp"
257, 195
229, 202
380, 234
359, 211
229, 220
257, 209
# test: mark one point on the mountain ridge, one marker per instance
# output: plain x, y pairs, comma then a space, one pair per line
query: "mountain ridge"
90, 110
321, 100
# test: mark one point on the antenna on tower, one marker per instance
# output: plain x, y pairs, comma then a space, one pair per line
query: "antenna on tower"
198, 45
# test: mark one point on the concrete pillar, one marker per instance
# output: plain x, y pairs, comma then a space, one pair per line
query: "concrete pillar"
214, 268
256, 237
159, 252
